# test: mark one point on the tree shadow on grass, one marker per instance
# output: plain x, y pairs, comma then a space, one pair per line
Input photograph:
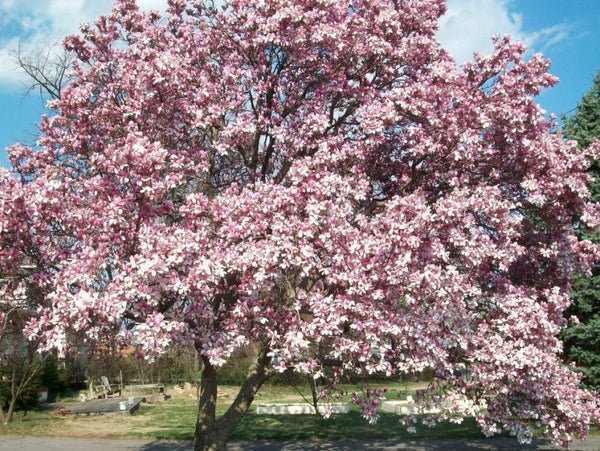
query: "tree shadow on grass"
501, 444
166, 445
349, 426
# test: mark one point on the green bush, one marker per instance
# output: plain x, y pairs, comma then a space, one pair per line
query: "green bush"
28, 399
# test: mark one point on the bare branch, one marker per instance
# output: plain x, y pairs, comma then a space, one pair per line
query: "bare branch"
46, 67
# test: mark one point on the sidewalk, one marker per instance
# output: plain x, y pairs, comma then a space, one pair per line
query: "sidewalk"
87, 444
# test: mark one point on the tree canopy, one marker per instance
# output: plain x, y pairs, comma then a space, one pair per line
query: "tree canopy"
582, 343
317, 180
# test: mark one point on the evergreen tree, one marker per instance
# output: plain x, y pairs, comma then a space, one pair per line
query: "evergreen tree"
582, 341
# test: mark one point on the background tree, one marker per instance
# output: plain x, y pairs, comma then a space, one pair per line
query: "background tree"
47, 68
582, 341
314, 180
21, 363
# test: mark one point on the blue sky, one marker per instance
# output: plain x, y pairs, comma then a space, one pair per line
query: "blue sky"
566, 31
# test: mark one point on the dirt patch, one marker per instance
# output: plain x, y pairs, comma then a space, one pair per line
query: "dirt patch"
94, 426
191, 392
182, 392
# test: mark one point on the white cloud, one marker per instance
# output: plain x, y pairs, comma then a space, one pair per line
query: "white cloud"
468, 26
35, 24
9, 76
156, 5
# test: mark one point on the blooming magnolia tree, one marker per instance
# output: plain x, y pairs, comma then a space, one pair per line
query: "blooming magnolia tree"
318, 180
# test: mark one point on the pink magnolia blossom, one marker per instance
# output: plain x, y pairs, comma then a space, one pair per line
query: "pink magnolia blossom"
316, 179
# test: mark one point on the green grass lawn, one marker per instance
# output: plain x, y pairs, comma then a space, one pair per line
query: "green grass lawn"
175, 419
348, 426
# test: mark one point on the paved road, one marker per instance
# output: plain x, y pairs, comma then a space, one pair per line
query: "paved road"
86, 444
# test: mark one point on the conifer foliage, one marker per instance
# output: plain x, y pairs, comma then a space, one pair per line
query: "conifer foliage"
317, 181
582, 340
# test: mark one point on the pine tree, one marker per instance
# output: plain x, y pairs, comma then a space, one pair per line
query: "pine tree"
582, 341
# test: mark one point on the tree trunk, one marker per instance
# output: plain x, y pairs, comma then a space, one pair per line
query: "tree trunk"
206, 424
11, 410
213, 434
14, 394
314, 390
